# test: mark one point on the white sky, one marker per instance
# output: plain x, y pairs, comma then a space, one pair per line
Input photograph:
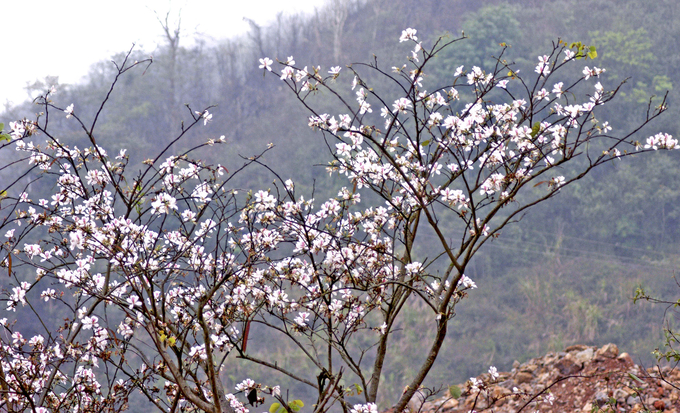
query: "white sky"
63, 38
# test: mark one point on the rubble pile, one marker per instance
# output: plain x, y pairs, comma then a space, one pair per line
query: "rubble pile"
580, 379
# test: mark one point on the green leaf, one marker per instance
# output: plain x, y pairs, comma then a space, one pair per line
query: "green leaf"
425, 143
592, 54
634, 377
455, 391
296, 405
535, 129
274, 407
4, 136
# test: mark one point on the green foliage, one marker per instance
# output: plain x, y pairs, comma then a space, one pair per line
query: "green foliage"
669, 353
582, 51
486, 29
662, 83
455, 391
535, 129
295, 405
354, 389
3, 135
630, 53
608, 407
629, 49
636, 378
671, 340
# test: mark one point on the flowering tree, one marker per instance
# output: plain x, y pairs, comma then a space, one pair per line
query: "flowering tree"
156, 278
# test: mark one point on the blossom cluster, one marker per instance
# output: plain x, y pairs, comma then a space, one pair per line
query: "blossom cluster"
160, 274
170, 264
436, 157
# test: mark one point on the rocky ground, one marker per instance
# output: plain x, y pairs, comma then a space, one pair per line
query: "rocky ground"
580, 379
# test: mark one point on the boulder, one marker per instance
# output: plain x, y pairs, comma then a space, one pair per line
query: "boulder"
608, 350
567, 366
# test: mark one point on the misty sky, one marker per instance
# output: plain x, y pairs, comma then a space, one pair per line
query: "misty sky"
55, 38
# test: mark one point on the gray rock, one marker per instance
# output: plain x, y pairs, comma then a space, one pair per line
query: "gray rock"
620, 395
584, 356
601, 398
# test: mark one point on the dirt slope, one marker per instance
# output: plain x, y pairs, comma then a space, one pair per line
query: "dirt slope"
580, 379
